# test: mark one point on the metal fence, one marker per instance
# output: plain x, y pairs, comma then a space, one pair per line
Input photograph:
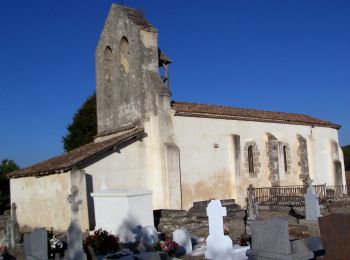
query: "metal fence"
294, 195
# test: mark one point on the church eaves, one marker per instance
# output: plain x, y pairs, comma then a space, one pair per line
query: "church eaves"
67, 161
234, 113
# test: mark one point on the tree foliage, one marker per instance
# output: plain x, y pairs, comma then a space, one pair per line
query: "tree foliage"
6, 167
346, 151
83, 127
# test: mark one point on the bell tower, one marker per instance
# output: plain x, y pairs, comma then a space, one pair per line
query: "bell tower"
127, 70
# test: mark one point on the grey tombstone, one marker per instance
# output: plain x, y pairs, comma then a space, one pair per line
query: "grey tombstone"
14, 234
149, 235
270, 240
219, 246
35, 244
75, 249
312, 206
183, 238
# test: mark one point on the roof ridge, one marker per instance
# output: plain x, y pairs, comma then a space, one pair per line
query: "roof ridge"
67, 161
249, 114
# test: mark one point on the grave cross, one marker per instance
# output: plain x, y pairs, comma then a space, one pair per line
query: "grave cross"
309, 182
73, 200
215, 213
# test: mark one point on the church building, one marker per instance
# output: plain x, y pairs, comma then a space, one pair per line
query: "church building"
183, 152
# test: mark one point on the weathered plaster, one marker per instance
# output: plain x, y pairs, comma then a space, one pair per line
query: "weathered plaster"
42, 201
201, 162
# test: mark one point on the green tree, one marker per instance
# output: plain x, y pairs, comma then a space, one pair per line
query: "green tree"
346, 151
6, 167
83, 127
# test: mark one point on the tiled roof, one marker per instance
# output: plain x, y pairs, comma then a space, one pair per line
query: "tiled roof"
233, 113
67, 161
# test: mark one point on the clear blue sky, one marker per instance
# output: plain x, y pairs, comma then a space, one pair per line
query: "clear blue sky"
291, 56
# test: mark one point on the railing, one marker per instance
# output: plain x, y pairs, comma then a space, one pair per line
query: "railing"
294, 195
338, 193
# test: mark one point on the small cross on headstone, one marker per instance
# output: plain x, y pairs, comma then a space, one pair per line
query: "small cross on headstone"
103, 185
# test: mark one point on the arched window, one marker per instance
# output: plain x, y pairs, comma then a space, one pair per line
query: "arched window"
250, 160
124, 55
285, 158
107, 65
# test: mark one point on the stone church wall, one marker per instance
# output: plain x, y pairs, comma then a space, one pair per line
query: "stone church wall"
210, 158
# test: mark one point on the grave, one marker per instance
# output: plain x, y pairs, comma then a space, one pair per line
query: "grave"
35, 244
312, 206
219, 246
149, 235
74, 235
335, 236
124, 212
270, 240
183, 238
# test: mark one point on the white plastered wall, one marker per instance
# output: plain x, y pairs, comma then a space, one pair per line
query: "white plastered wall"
138, 165
42, 202
207, 156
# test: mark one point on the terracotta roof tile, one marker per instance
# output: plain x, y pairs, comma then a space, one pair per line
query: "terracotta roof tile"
67, 161
234, 113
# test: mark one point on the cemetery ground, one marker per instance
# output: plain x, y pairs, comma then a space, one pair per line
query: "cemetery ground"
213, 229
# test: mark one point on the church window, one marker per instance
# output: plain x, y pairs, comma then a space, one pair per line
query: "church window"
107, 65
250, 160
252, 163
124, 55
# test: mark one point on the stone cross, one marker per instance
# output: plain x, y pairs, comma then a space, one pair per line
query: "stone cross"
74, 235
219, 246
252, 205
215, 213
309, 183
73, 200
312, 206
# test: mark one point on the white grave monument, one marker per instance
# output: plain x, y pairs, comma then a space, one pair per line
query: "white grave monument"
312, 206
219, 246
124, 212
183, 238
149, 235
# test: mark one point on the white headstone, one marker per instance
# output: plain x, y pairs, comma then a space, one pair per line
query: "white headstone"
312, 206
149, 235
183, 238
219, 246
